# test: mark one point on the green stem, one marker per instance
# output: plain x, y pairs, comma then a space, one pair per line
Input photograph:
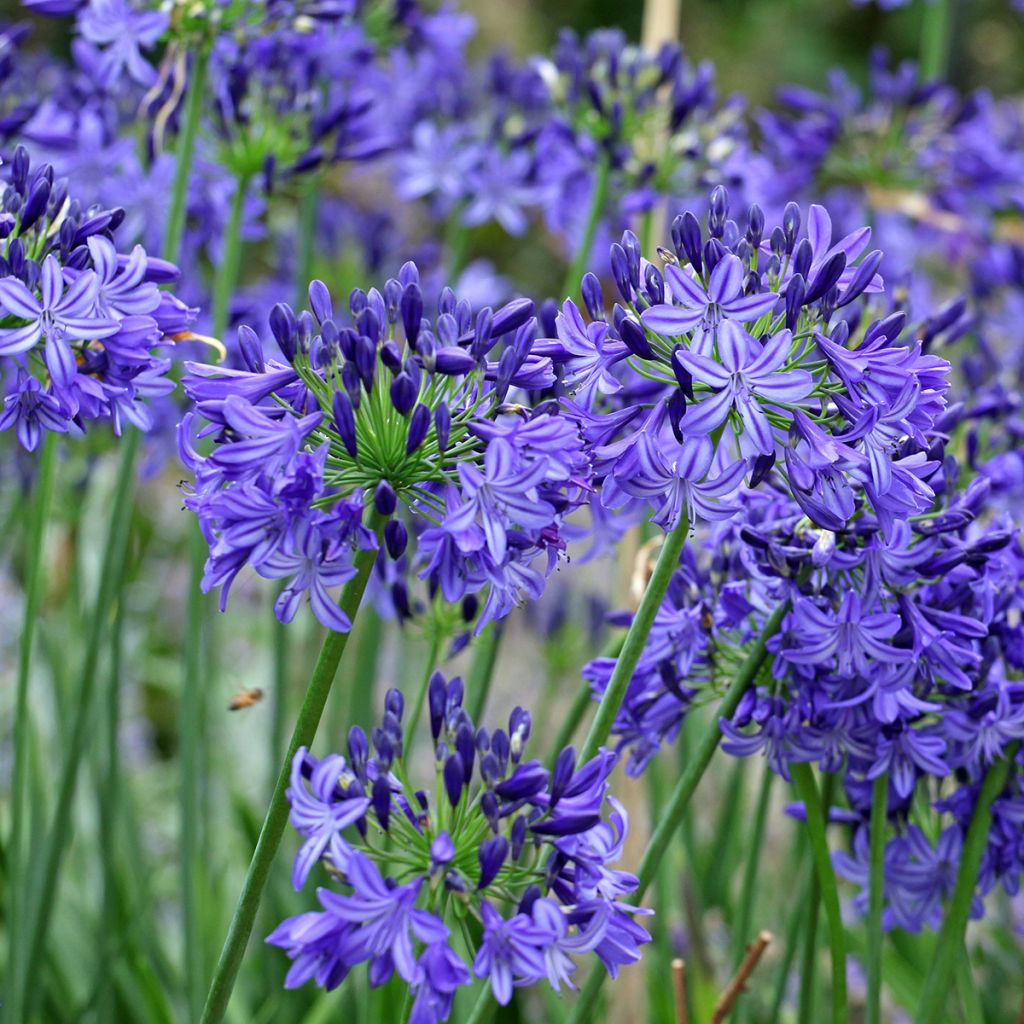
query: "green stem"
45, 892
876, 897
800, 915
672, 815
483, 1008
368, 641
741, 930
936, 37
226, 278
803, 777
970, 999
951, 936
109, 804
412, 728
277, 813
578, 267
34, 589
481, 672
279, 695
175, 229
191, 729
809, 958
636, 638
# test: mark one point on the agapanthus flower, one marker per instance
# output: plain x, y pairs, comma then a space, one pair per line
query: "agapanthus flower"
525, 853
79, 321
390, 410
743, 369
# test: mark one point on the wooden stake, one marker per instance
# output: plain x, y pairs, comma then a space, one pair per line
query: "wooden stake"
679, 985
739, 981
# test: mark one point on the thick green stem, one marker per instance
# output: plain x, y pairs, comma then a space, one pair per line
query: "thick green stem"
951, 937
636, 639
936, 37
672, 814
175, 229
481, 672
578, 268
876, 895
809, 955
277, 813
45, 893
803, 777
35, 586
741, 929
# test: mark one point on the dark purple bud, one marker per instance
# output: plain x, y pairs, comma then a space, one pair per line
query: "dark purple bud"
508, 364
763, 465
384, 498
794, 300
250, 349
350, 381
454, 778
368, 325
500, 747
719, 210
491, 810
384, 747
826, 277
403, 393
676, 410
840, 332
864, 276
381, 799
412, 311
442, 426
35, 204
456, 691
366, 361
437, 696
620, 271
713, 252
469, 607
682, 374
483, 333
453, 361
526, 781
690, 240
320, 301
391, 356
465, 744
790, 225
565, 766
530, 896
803, 254
593, 297
491, 853
283, 327
890, 328
635, 339
419, 424
518, 836
566, 824
358, 750
654, 284
511, 316
755, 226
396, 538
519, 723
357, 301
345, 421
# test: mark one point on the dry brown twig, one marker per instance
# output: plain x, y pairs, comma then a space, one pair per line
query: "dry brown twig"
739, 982
679, 986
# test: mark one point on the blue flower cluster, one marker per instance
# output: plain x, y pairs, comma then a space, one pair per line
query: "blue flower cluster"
521, 855
734, 364
79, 321
393, 408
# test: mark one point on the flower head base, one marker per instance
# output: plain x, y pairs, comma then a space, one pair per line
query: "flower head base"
390, 407
734, 365
524, 852
78, 320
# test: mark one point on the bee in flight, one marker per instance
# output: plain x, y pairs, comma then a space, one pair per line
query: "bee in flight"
246, 699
